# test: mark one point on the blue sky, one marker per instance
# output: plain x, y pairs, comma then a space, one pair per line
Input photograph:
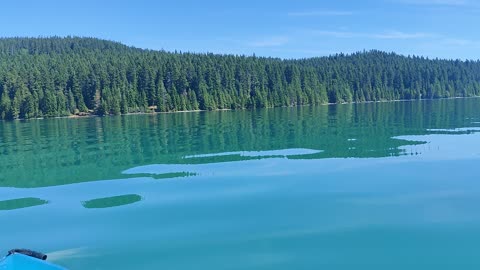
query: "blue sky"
287, 29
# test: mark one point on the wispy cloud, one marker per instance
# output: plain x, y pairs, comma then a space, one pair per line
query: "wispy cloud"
317, 13
384, 35
460, 42
402, 35
269, 42
337, 34
439, 2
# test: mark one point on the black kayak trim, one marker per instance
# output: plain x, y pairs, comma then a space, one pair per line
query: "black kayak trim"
29, 253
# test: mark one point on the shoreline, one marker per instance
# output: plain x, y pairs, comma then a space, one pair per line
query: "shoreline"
89, 115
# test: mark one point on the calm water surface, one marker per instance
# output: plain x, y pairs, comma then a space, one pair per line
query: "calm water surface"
366, 186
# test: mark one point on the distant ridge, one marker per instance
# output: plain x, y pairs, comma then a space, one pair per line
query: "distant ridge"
61, 76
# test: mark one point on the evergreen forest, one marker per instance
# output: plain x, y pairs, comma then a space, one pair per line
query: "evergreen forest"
62, 76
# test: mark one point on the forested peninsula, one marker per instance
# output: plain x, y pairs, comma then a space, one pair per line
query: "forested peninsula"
62, 76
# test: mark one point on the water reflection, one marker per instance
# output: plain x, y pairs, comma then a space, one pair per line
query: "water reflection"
256, 163
464, 130
276, 142
163, 175
271, 153
41, 153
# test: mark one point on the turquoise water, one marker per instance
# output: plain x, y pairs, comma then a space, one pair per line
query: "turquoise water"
359, 186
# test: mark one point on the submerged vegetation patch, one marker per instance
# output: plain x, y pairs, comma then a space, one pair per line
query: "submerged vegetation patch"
21, 203
112, 201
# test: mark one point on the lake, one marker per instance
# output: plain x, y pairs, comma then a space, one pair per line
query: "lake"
354, 186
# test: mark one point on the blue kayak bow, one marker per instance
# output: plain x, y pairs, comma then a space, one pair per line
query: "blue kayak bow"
23, 259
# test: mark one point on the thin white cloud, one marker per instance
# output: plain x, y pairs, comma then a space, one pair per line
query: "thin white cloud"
269, 42
318, 13
402, 35
337, 34
459, 42
439, 2
385, 35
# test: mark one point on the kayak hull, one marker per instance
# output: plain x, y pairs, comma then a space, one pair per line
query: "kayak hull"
22, 262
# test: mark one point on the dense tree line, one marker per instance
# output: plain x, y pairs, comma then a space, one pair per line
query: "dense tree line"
48, 77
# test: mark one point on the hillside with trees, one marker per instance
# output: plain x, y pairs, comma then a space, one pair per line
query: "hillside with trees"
49, 77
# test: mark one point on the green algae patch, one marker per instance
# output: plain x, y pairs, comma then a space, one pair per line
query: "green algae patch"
109, 202
21, 203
